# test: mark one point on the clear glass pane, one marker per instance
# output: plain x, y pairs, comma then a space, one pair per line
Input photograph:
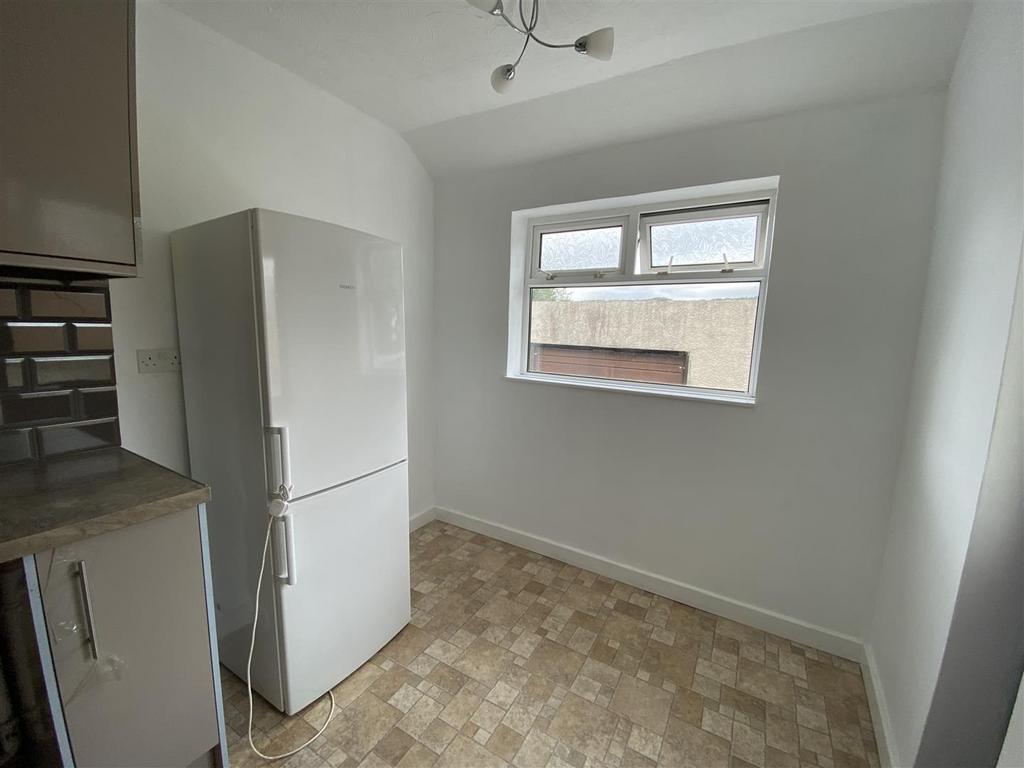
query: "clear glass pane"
704, 242
697, 335
581, 249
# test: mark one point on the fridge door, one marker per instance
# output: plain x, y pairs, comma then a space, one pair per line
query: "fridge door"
333, 348
350, 590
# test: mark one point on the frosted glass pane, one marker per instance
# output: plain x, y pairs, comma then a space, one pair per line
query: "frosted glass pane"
581, 249
688, 335
704, 242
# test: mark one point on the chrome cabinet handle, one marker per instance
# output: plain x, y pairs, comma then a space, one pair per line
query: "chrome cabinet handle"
90, 620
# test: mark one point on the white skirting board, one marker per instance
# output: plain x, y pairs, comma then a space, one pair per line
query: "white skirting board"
421, 518
879, 711
778, 624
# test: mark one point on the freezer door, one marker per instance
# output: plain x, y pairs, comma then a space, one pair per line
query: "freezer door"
333, 348
351, 582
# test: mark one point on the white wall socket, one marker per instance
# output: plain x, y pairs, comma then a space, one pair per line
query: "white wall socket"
158, 360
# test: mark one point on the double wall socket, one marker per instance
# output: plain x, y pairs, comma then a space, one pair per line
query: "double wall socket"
158, 360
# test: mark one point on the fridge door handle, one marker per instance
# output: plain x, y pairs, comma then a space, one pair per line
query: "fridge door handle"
284, 487
284, 549
284, 539
280, 548
289, 548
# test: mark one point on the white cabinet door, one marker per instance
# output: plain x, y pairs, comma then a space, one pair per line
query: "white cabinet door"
333, 347
130, 644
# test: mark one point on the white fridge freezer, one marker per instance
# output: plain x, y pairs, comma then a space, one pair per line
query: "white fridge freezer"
292, 343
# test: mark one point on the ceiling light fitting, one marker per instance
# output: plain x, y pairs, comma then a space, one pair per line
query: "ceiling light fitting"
597, 45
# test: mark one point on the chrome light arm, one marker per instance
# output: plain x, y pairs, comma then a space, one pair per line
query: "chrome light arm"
528, 30
597, 44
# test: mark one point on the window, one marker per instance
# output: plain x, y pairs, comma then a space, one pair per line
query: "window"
710, 237
596, 247
665, 296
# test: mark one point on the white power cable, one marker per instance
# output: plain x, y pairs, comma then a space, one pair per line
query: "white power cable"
248, 665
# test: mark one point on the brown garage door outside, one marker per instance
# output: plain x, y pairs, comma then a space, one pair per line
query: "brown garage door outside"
654, 366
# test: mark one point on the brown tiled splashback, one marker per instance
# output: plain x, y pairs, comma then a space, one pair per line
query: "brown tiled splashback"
57, 383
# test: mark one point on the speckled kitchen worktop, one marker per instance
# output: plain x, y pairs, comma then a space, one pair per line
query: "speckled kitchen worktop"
76, 496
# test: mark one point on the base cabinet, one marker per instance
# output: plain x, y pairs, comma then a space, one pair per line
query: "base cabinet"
127, 624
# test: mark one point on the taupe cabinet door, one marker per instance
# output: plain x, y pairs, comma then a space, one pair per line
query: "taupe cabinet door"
68, 187
130, 644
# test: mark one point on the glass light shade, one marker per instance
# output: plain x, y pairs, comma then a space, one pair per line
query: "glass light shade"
501, 77
487, 6
598, 44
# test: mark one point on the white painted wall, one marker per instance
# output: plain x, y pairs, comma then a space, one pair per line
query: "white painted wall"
783, 505
980, 671
222, 129
961, 353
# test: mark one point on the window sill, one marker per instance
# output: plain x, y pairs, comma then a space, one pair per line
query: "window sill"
636, 388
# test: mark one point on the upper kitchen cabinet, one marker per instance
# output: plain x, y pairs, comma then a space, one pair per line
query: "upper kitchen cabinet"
68, 162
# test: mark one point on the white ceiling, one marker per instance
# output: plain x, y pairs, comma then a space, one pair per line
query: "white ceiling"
898, 52
423, 66
413, 63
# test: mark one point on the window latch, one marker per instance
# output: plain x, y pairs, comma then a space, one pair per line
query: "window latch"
725, 260
599, 274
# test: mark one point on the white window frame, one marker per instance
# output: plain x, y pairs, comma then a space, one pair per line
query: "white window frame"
759, 209
637, 214
539, 229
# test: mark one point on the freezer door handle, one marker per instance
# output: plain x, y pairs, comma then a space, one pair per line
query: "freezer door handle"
279, 558
283, 488
289, 547
284, 549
